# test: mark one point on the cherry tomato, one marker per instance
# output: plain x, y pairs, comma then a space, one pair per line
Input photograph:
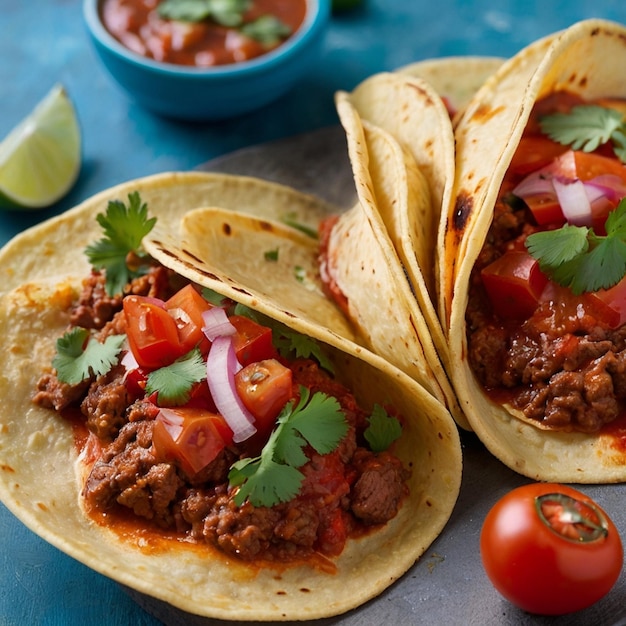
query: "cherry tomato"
192, 437
550, 550
514, 284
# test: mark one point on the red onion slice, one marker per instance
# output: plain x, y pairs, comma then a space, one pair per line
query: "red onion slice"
221, 367
535, 184
216, 323
574, 201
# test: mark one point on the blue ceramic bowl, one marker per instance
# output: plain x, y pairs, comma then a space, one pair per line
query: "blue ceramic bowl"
213, 93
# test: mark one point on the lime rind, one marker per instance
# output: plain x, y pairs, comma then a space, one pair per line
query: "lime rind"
40, 159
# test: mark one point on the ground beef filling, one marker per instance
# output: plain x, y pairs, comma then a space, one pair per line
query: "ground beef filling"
561, 367
343, 492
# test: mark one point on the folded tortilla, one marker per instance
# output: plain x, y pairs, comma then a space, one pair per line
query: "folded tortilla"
42, 274
583, 59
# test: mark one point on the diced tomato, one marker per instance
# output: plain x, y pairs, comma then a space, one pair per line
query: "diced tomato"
151, 331
201, 398
253, 342
191, 437
545, 208
533, 153
186, 307
136, 381
610, 304
514, 284
264, 388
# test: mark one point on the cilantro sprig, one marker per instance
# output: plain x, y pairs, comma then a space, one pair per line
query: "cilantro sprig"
586, 127
124, 229
266, 29
575, 257
273, 476
382, 430
223, 12
173, 383
80, 356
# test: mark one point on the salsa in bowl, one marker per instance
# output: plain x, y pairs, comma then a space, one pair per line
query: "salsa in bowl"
189, 61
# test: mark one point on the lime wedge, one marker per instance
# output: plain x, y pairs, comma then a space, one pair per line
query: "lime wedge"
41, 157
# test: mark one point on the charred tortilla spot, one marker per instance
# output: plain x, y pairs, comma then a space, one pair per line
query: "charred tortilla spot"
226, 228
263, 225
423, 94
191, 256
485, 112
7, 468
462, 211
42, 506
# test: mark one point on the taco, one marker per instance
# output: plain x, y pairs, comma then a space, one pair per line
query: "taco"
536, 317
112, 447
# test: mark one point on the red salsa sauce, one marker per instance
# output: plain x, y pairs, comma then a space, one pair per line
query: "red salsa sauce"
137, 25
560, 358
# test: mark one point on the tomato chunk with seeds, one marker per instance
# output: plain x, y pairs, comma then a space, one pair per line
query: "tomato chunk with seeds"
189, 436
264, 387
151, 331
186, 307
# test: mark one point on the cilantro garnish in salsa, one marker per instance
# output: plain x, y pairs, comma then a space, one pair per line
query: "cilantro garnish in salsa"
210, 416
548, 292
202, 33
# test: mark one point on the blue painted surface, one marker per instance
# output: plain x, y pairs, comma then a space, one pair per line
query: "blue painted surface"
44, 42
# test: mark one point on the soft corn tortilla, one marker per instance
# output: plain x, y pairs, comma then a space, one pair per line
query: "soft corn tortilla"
583, 59
37, 452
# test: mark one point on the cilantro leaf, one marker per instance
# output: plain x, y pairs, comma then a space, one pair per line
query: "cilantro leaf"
265, 482
267, 30
555, 247
271, 255
273, 477
173, 383
383, 429
124, 229
223, 12
320, 421
290, 220
80, 356
585, 127
575, 257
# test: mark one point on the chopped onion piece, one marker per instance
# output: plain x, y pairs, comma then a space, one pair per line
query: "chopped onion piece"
172, 421
216, 323
574, 202
537, 183
610, 186
221, 366
129, 361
